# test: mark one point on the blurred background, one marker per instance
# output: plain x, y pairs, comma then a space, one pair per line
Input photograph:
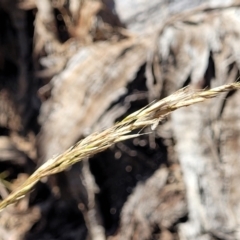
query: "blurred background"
69, 68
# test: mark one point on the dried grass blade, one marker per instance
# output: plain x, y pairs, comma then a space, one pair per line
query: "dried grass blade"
97, 142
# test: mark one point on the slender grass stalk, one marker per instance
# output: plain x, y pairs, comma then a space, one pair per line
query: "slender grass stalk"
98, 142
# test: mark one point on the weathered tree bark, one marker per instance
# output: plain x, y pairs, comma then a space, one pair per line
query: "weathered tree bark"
198, 133
100, 60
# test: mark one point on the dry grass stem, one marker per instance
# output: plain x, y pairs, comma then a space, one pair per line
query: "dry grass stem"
98, 142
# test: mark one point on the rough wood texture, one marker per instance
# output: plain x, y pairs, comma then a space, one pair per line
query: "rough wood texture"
94, 62
140, 16
95, 77
155, 204
198, 129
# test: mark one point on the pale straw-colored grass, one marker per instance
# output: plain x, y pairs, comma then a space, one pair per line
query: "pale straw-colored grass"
98, 142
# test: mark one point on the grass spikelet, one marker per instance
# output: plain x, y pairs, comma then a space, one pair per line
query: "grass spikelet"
98, 142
